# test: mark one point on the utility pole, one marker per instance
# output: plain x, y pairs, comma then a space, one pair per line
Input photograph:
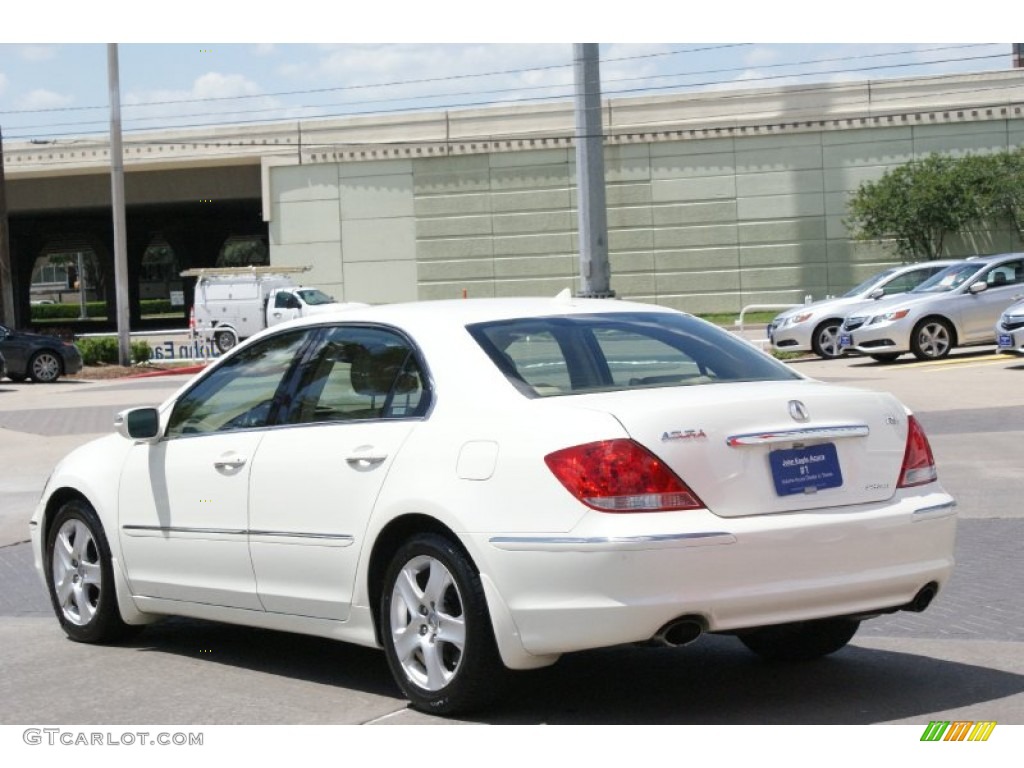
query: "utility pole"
117, 200
595, 272
6, 279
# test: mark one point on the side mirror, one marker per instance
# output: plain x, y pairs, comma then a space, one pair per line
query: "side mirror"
977, 287
877, 293
138, 424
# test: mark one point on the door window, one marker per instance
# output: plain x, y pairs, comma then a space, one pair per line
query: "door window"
359, 373
240, 393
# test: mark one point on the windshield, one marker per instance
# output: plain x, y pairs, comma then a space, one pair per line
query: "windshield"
545, 356
314, 296
866, 285
950, 278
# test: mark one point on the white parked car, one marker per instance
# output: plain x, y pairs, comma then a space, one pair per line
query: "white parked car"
958, 307
485, 485
1010, 330
815, 327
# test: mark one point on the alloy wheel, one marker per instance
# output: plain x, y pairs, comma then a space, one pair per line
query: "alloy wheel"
77, 572
428, 627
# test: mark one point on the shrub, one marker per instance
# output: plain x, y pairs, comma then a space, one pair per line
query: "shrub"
141, 352
99, 349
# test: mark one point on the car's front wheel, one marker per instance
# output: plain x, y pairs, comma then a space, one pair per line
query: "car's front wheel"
80, 577
436, 628
225, 340
801, 640
825, 341
45, 367
932, 339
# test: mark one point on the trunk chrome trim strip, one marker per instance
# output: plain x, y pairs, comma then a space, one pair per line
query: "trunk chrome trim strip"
796, 435
610, 543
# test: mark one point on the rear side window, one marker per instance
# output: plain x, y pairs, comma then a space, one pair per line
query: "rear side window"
358, 373
582, 353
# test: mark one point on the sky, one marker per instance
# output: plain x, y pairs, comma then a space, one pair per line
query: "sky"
265, 65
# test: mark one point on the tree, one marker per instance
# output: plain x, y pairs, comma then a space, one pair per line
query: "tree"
916, 205
999, 180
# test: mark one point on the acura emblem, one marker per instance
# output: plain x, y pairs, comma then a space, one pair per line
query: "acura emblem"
798, 411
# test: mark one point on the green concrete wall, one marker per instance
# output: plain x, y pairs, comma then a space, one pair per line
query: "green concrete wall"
702, 225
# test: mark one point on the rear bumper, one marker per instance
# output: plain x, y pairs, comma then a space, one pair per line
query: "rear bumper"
607, 585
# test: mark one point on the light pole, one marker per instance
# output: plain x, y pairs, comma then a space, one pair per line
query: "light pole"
117, 201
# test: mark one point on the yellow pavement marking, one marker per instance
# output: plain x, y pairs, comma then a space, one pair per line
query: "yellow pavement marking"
980, 359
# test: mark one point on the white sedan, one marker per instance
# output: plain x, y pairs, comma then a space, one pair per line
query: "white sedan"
478, 486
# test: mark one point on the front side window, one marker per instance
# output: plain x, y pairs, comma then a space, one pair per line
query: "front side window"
242, 392
1008, 273
286, 301
358, 373
578, 353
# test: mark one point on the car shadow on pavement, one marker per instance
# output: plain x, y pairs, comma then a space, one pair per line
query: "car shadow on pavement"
299, 657
718, 682
714, 681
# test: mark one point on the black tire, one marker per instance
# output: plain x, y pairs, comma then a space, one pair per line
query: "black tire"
802, 640
889, 357
825, 341
78, 566
45, 367
445, 589
932, 339
225, 340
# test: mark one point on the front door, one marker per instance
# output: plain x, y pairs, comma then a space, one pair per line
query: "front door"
184, 500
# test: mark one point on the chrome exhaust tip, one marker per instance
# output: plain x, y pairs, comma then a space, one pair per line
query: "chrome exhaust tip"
679, 632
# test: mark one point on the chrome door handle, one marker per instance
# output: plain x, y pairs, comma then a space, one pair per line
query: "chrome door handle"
236, 463
366, 460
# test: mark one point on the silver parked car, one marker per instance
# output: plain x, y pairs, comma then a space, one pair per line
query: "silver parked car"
1010, 330
955, 308
815, 327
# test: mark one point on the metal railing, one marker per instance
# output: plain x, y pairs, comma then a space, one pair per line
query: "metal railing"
761, 308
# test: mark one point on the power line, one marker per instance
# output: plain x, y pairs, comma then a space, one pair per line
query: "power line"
298, 109
791, 117
538, 99
390, 84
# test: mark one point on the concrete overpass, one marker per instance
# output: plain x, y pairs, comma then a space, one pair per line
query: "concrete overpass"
715, 198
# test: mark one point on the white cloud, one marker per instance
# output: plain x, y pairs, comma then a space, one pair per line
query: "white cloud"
163, 108
37, 53
264, 49
214, 85
41, 98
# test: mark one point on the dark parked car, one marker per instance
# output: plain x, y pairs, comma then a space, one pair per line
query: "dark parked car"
33, 355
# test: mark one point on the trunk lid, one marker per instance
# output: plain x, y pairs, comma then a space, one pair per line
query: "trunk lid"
840, 446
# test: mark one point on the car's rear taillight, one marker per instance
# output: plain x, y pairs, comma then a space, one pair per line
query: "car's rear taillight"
918, 461
620, 476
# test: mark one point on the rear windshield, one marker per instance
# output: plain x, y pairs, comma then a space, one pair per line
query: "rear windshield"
550, 356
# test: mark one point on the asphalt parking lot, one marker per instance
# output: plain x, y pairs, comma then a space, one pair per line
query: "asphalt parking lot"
961, 659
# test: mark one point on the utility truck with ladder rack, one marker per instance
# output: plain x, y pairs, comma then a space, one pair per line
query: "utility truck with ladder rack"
234, 303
